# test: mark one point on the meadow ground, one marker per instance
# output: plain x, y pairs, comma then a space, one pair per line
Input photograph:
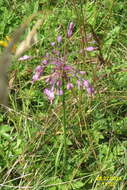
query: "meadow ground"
65, 126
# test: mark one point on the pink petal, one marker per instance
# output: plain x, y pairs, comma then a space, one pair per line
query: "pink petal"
91, 48
52, 43
59, 39
24, 58
86, 83
59, 92
69, 86
90, 90
35, 77
49, 94
59, 83
70, 29
39, 69
82, 72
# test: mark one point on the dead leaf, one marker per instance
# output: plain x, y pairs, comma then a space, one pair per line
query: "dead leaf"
12, 79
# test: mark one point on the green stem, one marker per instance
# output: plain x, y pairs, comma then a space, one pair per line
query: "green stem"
64, 124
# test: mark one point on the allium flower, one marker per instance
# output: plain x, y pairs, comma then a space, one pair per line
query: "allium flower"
59, 83
88, 87
50, 94
45, 62
90, 48
59, 39
82, 72
35, 77
61, 71
37, 74
39, 69
69, 86
86, 83
59, 92
90, 90
70, 29
52, 43
24, 58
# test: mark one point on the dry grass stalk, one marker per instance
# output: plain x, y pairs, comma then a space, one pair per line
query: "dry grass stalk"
6, 57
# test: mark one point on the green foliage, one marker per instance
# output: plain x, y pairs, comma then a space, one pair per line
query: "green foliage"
31, 130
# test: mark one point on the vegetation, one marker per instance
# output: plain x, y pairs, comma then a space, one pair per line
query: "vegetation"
65, 125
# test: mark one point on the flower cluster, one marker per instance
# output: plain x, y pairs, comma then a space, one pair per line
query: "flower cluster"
61, 71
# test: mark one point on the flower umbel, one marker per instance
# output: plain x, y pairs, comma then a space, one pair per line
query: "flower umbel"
62, 73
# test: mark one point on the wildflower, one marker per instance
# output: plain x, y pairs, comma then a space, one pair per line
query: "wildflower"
59, 83
86, 83
35, 77
52, 43
39, 69
82, 72
69, 86
38, 73
88, 87
70, 29
45, 62
59, 92
59, 39
90, 90
61, 71
90, 48
5, 44
50, 94
24, 58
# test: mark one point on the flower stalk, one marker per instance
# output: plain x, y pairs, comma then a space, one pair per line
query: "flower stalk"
64, 123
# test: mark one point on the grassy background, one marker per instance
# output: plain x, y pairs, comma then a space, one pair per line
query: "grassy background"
31, 131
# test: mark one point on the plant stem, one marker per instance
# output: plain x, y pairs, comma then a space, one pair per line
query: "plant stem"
64, 124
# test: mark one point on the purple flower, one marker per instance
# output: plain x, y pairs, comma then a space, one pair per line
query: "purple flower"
35, 77
59, 39
88, 87
59, 83
52, 43
90, 48
67, 68
57, 63
86, 83
59, 92
45, 62
70, 29
69, 86
52, 82
39, 69
50, 94
90, 90
24, 58
38, 72
82, 72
